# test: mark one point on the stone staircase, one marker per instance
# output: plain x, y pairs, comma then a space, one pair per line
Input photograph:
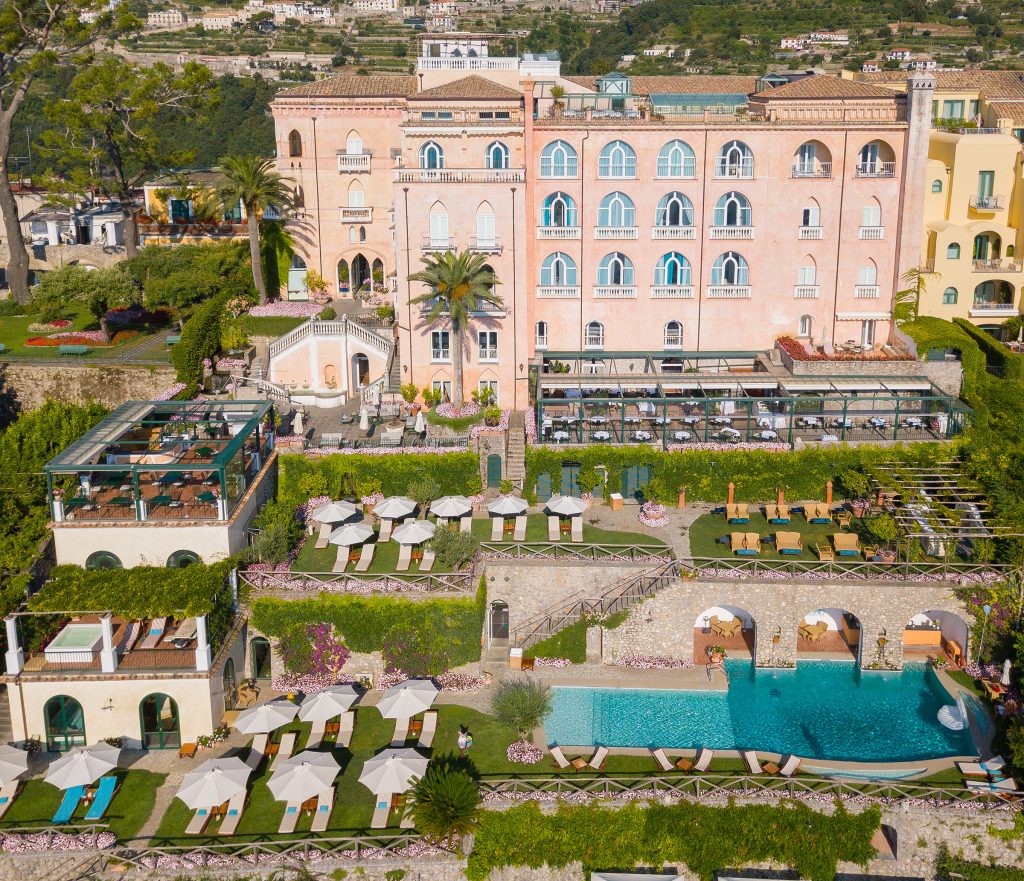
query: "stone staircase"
515, 448
6, 731
393, 377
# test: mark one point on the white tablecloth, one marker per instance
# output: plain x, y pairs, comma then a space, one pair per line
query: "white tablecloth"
681, 435
561, 435
601, 435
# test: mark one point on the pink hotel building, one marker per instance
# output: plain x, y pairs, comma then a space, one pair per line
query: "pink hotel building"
643, 214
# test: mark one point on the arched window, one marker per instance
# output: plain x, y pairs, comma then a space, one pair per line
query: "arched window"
497, 155
730, 269
540, 336
439, 226
673, 335
558, 270
868, 274
354, 144
158, 719
594, 336
950, 296
676, 159
807, 272
936, 186
673, 269
734, 160
872, 214
811, 215
65, 723
356, 196
558, 209
806, 325
813, 159
732, 209
485, 230
952, 251
181, 559
616, 159
294, 143
558, 159
299, 198
615, 270
103, 560
674, 209
431, 155
876, 159
362, 233
616, 209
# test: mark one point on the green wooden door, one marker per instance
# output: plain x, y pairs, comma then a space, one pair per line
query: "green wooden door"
493, 470
634, 477
569, 485
543, 486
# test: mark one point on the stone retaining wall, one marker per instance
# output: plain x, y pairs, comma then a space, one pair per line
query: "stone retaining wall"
110, 386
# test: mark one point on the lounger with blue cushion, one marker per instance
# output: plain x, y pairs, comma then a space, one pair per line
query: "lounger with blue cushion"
7, 793
101, 801
68, 804
198, 822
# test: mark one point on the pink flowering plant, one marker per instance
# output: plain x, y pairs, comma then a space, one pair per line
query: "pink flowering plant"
284, 309
523, 753
652, 514
313, 650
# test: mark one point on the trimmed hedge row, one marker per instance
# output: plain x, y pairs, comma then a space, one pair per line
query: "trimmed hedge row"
996, 354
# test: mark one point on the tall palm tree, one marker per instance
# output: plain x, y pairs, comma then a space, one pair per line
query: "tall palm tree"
445, 803
459, 283
253, 182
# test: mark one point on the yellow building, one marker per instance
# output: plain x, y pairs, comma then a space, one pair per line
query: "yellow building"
185, 208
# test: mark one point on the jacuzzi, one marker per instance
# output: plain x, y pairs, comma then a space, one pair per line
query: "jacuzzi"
76, 643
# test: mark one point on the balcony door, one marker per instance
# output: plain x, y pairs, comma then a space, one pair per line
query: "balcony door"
986, 186
439, 230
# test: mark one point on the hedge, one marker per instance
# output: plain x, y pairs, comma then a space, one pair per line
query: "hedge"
951, 869
996, 354
705, 838
200, 338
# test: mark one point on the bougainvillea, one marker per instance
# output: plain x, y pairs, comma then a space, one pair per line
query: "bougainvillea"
314, 650
281, 309
524, 753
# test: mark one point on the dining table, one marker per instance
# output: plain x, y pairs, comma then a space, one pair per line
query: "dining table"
641, 436
560, 435
810, 421
912, 422
681, 435
598, 420
691, 420
632, 420
663, 420
876, 422
601, 436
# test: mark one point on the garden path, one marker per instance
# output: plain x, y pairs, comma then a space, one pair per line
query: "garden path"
676, 533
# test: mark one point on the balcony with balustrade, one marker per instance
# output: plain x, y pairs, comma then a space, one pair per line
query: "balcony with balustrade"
986, 204
806, 291
671, 292
810, 233
558, 292
812, 170
436, 244
731, 233
353, 163
606, 233
871, 233
558, 233
728, 292
875, 169
867, 291
674, 233
356, 215
460, 175
485, 245
614, 292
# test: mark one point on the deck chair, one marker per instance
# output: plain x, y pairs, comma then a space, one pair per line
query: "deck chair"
198, 822
497, 528
325, 533
554, 532
155, 634
68, 804
429, 729
8, 792
703, 760
286, 748
598, 758
664, 762
818, 513
236, 805
816, 631
737, 513
129, 636
341, 561
846, 544
366, 557
345, 726
322, 815
427, 562
385, 529
185, 630
825, 553
290, 819
520, 533
316, 735
788, 542
401, 732
256, 751
559, 757
994, 787
381, 810
777, 513
404, 558
407, 821
753, 765
466, 523
790, 766
101, 800
752, 542
994, 765
577, 529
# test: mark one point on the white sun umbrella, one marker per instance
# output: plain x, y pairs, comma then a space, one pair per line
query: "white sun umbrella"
421, 423
451, 506
83, 765
394, 508
407, 699
266, 717
414, 532
394, 770
335, 512
351, 534
508, 506
13, 763
1005, 680
328, 703
566, 506
303, 776
214, 782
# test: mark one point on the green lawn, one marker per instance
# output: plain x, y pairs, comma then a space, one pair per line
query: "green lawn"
537, 531
38, 802
385, 558
966, 681
274, 326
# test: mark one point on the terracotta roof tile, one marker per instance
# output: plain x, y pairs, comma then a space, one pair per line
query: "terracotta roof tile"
995, 83
468, 88
824, 87
1009, 110
354, 87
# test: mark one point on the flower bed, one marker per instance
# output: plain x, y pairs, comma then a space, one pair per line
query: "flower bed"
524, 753
284, 309
169, 393
502, 425
652, 514
652, 662
230, 363
50, 327
450, 411
798, 352
56, 841
459, 682
130, 315
551, 662
307, 683
75, 338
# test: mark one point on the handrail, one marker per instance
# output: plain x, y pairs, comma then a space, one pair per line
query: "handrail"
957, 573
554, 550
343, 327
357, 582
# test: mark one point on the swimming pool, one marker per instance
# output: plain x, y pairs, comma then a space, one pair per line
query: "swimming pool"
820, 710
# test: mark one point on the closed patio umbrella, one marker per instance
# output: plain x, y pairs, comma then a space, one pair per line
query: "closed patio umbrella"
565, 506
266, 717
407, 699
1005, 679
394, 770
335, 512
364, 419
394, 508
13, 763
451, 506
414, 532
508, 506
83, 765
328, 703
214, 782
421, 423
351, 534
303, 776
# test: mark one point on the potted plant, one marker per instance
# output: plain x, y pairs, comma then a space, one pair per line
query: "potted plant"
557, 94
856, 485
884, 528
717, 653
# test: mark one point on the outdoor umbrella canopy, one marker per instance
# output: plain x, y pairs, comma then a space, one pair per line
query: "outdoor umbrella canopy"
328, 703
214, 782
1005, 679
351, 534
394, 508
451, 506
266, 717
421, 423
508, 506
334, 512
303, 776
407, 699
566, 506
414, 532
13, 763
364, 419
83, 765
394, 770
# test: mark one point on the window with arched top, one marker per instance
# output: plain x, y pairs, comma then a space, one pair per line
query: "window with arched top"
876, 159
64, 723
540, 335
811, 215
103, 560
674, 209
735, 159
558, 270
616, 159
159, 722
730, 269
936, 186
181, 559
559, 209
676, 159
807, 272
812, 159
950, 296
806, 325
952, 251
486, 235
593, 337
616, 209
439, 226
868, 274
672, 269
497, 155
872, 214
431, 155
732, 209
294, 143
559, 159
615, 270
354, 144
673, 335
356, 197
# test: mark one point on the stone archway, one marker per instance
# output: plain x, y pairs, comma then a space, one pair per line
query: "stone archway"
729, 626
360, 371
497, 621
936, 633
829, 633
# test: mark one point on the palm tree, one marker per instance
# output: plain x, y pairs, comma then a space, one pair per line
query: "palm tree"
907, 302
459, 283
253, 182
445, 803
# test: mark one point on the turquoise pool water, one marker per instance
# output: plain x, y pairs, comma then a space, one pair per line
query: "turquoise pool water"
820, 710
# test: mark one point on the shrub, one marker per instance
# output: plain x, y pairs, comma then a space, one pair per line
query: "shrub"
521, 704
445, 803
457, 423
409, 392
453, 547
854, 483
416, 651
200, 339
272, 545
424, 490
884, 528
313, 650
328, 313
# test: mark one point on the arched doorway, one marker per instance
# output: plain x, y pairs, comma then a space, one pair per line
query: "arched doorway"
493, 470
360, 371
161, 726
360, 273
831, 633
936, 633
230, 685
65, 723
498, 619
259, 657
378, 271
728, 626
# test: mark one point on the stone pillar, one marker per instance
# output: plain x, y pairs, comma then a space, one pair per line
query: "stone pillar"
204, 656
774, 642
887, 656
108, 656
595, 639
732, 493
58, 510
15, 657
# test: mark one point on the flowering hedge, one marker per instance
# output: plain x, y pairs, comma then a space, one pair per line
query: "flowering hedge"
55, 841
524, 753
652, 662
284, 309
652, 514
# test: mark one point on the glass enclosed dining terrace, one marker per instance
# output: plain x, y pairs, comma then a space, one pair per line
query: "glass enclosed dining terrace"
162, 461
685, 399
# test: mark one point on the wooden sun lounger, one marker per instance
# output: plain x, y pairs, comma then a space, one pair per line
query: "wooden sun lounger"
401, 732
385, 529
129, 637
554, 531
381, 811
366, 557
982, 769
286, 748
703, 760
427, 561
747, 544
664, 762
229, 825
818, 513
323, 535
497, 528
429, 729
846, 544
788, 542
466, 523
316, 735
559, 757
290, 819
404, 558
198, 822
577, 529
753, 765
597, 759
322, 815
8, 793
341, 561
520, 533
156, 632
257, 750
790, 766
407, 822
737, 513
346, 724
1006, 786
777, 513
825, 553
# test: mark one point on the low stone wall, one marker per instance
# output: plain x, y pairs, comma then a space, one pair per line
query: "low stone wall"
947, 375
856, 367
110, 386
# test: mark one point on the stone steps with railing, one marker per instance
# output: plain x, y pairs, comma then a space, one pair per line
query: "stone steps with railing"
515, 450
342, 327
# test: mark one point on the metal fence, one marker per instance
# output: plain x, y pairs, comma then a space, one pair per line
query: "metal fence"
957, 573
542, 550
335, 582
